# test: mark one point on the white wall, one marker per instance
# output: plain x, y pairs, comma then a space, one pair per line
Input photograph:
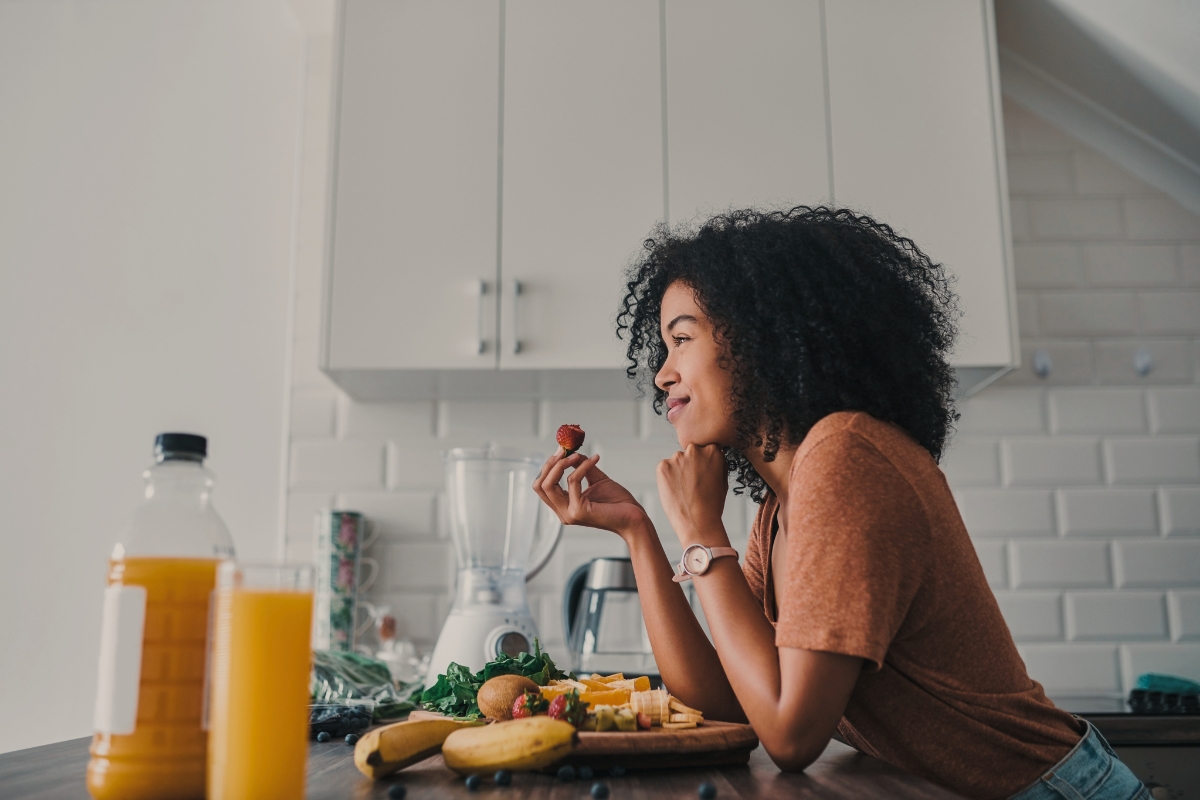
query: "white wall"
147, 162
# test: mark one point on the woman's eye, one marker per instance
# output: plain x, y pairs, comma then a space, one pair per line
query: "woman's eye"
679, 340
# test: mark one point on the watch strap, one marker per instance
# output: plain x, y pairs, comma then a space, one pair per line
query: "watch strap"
717, 552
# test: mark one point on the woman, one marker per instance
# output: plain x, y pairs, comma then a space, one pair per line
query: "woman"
806, 353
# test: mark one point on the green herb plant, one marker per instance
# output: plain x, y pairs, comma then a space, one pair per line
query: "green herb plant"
456, 691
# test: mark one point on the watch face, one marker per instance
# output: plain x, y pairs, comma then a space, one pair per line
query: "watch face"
696, 560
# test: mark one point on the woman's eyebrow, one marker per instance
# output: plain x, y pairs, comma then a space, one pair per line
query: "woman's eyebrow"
680, 318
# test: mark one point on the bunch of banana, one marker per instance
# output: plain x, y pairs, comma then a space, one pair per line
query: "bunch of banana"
393, 747
523, 744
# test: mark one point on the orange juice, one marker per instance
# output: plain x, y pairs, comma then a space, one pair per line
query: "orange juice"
165, 755
258, 725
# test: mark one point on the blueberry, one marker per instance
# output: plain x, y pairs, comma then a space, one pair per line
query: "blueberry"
585, 773
473, 782
397, 791
566, 773
616, 771
323, 736
707, 791
503, 778
599, 791
351, 738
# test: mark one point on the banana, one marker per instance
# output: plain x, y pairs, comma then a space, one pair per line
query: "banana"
393, 747
522, 744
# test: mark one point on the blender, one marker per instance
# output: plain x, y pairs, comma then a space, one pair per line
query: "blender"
503, 536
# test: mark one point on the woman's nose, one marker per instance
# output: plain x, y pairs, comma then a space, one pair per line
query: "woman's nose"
666, 377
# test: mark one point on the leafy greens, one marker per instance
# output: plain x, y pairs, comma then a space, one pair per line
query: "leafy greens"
457, 689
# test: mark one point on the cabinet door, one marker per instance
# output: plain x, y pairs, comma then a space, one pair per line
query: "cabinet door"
915, 145
415, 202
583, 177
746, 118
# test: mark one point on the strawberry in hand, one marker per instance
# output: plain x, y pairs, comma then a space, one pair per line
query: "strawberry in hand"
569, 438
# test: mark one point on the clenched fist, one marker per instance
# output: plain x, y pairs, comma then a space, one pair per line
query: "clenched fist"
692, 485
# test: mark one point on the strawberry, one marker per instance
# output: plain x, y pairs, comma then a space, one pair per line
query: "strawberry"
528, 704
569, 708
570, 438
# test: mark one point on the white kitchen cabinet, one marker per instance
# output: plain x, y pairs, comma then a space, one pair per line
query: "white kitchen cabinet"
917, 143
582, 178
745, 101
414, 208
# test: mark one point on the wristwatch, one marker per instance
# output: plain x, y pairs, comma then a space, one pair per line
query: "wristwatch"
697, 558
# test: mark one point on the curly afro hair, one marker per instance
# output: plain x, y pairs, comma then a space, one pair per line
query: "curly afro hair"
816, 310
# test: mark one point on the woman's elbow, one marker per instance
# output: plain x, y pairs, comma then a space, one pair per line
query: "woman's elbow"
794, 756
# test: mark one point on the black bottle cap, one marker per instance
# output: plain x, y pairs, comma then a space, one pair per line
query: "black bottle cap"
183, 444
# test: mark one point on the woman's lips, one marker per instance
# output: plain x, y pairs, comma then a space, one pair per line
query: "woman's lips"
674, 407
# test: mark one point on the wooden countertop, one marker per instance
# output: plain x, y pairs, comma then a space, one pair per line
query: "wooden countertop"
56, 772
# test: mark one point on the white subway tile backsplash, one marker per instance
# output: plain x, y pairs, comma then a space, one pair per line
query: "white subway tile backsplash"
1159, 218
1073, 669
1072, 364
1114, 359
312, 413
334, 465
1115, 616
997, 512
416, 465
1170, 312
301, 511
1000, 410
1189, 264
1038, 136
416, 614
972, 462
1096, 410
485, 418
601, 420
1181, 660
1108, 512
1087, 313
1075, 218
993, 557
1028, 315
1048, 173
386, 420
1048, 266
1158, 460
415, 565
299, 551
1180, 510
632, 463
398, 515
1018, 214
1032, 616
1175, 410
1095, 174
1183, 608
1052, 564
655, 426
1158, 563
1131, 265
1062, 461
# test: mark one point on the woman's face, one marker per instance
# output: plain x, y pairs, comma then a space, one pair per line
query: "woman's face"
698, 389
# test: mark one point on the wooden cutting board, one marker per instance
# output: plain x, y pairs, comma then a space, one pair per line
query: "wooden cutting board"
710, 744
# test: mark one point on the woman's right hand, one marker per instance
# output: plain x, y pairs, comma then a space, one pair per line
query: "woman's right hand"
604, 504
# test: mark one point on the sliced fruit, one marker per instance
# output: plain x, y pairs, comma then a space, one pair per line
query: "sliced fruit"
522, 744
605, 698
678, 726
595, 685
676, 705
686, 718
617, 676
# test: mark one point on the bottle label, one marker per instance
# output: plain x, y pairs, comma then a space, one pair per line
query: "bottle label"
120, 659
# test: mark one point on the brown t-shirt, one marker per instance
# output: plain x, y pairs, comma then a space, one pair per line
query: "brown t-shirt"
879, 566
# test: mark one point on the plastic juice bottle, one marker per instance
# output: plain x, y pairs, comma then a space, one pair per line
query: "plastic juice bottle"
149, 740
258, 733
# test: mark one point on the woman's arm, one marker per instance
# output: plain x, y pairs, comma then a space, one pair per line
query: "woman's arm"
686, 659
794, 698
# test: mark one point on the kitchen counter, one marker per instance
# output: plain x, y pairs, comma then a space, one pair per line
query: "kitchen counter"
56, 772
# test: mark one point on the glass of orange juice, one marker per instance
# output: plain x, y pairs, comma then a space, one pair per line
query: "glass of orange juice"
258, 702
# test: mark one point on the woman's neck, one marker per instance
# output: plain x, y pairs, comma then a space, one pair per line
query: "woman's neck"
774, 472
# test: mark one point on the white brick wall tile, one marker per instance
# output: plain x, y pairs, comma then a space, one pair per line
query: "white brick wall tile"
1156, 563
599, 419
1073, 669
999, 410
1072, 364
1087, 313
1018, 212
415, 612
1170, 312
1159, 218
1175, 410
972, 462
1048, 266
1182, 660
1115, 616
1172, 361
1131, 265
1039, 174
1062, 461
655, 426
301, 510
1096, 410
1184, 610
312, 413
581, 545
1032, 616
1028, 316
1095, 174
633, 463
1019, 512
1108, 512
993, 557
400, 515
386, 420
335, 464
492, 419
1038, 136
1180, 510
1189, 264
417, 465
547, 614
412, 565
1048, 565
299, 551
1075, 218
1145, 460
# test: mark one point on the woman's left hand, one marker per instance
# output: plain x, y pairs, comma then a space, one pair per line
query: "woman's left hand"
692, 485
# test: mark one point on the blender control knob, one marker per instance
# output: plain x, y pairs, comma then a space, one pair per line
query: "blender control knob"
512, 644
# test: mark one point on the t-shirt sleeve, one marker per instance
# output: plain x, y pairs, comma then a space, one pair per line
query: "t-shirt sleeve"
856, 551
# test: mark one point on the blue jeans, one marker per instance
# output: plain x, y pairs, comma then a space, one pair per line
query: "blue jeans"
1091, 771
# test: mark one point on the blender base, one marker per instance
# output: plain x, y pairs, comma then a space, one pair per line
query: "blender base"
474, 636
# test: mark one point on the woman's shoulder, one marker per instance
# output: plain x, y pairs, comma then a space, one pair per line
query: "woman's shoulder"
843, 431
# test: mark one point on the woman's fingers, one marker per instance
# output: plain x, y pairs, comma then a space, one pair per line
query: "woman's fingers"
550, 482
575, 482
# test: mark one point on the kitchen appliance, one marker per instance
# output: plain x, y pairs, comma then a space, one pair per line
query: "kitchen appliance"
500, 528
602, 615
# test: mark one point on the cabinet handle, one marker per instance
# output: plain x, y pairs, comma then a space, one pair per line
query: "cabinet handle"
480, 293
516, 339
